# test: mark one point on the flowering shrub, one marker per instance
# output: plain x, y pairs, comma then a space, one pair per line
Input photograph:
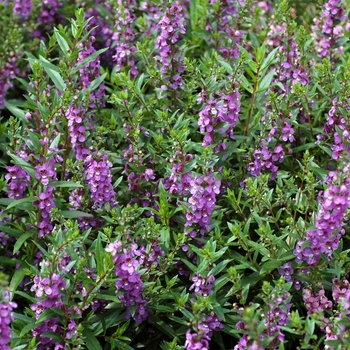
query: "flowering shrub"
174, 174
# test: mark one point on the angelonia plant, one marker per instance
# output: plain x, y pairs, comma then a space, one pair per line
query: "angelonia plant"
174, 174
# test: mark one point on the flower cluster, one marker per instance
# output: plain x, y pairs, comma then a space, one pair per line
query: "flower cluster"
316, 302
6, 316
329, 229
45, 204
290, 70
223, 109
277, 315
203, 285
170, 59
23, 8
100, 25
129, 280
201, 337
341, 296
46, 172
8, 73
266, 160
77, 131
99, 178
125, 36
227, 35
328, 25
89, 73
18, 181
49, 291
49, 11
332, 13
203, 190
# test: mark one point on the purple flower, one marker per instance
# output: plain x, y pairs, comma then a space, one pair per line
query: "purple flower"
197, 341
23, 8
6, 317
46, 172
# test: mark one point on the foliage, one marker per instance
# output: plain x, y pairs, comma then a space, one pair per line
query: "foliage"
174, 175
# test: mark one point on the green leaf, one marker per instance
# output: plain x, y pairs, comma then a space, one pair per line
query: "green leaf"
100, 259
192, 267
21, 201
227, 66
35, 140
266, 81
21, 240
52, 335
269, 59
89, 59
53, 72
11, 231
27, 328
62, 42
6, 201
69, 184
245, 83
17, 112
73, 214
165, 236
55, 142
17, 278
90, 340
310, 325
26, 296
96, 82
269, 266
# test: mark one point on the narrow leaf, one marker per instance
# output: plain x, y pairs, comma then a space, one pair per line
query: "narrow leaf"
88, 60
69, 184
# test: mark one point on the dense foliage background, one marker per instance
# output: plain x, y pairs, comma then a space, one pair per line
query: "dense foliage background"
174, 174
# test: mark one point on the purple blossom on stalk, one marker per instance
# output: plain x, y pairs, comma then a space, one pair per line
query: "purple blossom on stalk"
49, 292
125, 36
197, 341
18, 181
8, 73
202, 202
48, 11
46, 172
331, 30
6, 317
275, 316
45, 204
316, 301
201, 337
202, 285
224, 109
129, 281
326, 237
264, 159
286, 271
99, 178
224, 30
332, 13
22, 8
170, 59
90, 72
102, 28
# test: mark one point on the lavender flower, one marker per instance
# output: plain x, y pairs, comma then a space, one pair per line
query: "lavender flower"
22, 8
99, 178
170, 59
18, 181
129, 280
202, 202
6, 316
